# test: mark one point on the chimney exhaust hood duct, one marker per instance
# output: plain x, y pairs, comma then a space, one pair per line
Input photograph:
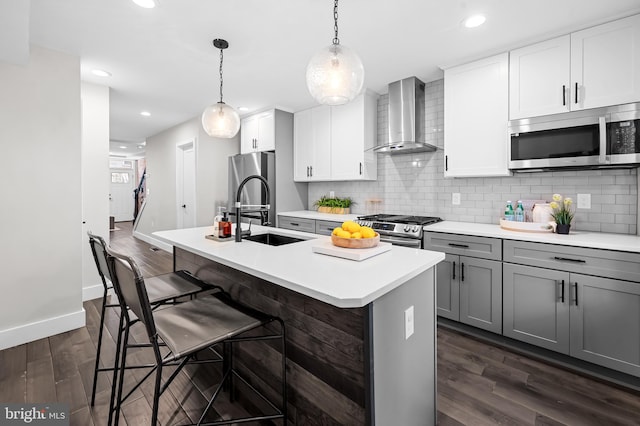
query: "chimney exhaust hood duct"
406, 118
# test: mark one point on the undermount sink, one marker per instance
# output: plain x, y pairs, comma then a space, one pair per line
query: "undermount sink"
273, 239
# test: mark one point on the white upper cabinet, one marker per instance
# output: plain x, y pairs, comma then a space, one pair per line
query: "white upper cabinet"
539, 79
258, 133
312, 144
605, 64
596, 67
353, 136
476, 114
335, 143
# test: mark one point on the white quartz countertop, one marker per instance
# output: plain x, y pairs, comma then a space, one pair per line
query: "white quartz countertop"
599, 240
312, 214
339, 282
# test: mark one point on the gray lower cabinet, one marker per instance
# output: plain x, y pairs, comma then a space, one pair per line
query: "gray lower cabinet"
605, 322
297, 224
559, 307
481, 293
325, 227
536, 306
468, 288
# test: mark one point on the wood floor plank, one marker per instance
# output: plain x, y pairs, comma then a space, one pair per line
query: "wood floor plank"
72, 391
41, 385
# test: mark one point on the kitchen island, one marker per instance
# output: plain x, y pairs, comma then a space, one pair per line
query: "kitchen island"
350, 358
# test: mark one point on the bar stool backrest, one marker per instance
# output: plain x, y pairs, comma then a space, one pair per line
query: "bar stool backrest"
129, 286
98, 247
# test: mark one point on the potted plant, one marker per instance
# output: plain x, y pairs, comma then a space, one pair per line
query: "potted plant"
334, 205
562, 213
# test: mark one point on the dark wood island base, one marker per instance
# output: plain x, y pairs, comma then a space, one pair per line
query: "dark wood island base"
336, 357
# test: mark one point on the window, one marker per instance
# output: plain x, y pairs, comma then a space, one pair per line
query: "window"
119, 177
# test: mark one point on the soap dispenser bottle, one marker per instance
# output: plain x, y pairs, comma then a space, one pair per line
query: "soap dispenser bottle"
225, 226
216, 222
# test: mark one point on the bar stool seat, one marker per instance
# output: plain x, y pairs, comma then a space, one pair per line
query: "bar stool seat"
162, 289
180, 332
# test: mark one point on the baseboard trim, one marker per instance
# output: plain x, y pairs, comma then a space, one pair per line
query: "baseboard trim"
92, 292
40, 329
154, 242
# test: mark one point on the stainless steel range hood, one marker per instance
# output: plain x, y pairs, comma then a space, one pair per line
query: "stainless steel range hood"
406, 118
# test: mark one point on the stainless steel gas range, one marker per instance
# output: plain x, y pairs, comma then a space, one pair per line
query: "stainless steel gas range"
402, 230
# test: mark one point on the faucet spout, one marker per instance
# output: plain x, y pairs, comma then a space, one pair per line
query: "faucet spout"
265, 184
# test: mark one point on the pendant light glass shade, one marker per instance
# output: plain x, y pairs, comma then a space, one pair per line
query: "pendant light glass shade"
220, 121
335, 75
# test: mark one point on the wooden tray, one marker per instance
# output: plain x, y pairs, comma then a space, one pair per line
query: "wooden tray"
327, 247
527, 226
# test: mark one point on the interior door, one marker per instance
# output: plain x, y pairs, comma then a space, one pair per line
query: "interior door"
186, 185
121, 197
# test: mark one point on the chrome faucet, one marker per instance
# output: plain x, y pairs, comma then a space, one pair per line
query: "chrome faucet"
239, 232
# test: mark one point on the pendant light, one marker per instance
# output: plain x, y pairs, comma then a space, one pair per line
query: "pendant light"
335, 74
220, 120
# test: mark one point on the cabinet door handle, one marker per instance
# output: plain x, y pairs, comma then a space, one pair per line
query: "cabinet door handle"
307, 171
458, 245
294, 224
311, 171
566, 259
576, 290
564, 95
360, 169
562, 292
454, 271
576, 92
446, 163
461, 271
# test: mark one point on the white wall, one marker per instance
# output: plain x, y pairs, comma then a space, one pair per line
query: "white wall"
211, 177
40, 218
95, 180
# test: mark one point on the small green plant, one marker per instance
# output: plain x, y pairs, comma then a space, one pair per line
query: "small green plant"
562, 212
335, 202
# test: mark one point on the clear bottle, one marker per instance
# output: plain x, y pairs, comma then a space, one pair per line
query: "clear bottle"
216, 222
519, 215
508, 212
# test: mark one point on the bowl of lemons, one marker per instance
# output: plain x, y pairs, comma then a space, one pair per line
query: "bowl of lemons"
352, 235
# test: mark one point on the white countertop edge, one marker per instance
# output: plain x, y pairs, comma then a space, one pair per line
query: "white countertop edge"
341, 302
355, 302
597, 240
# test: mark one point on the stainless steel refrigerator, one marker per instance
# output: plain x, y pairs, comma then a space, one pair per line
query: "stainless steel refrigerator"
253, 194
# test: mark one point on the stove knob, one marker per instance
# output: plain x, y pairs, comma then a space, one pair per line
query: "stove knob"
415, 228
406, 228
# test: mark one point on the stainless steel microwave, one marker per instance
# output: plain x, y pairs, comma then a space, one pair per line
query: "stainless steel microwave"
594, 138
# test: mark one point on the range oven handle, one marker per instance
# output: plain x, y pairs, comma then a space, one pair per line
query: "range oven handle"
602, 127
406, 242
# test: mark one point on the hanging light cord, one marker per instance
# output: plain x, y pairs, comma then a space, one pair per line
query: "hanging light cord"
221, 59
336, 40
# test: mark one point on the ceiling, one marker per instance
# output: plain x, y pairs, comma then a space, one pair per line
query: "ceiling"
162, 59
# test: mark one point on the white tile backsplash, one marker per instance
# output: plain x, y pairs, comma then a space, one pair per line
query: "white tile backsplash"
415, 184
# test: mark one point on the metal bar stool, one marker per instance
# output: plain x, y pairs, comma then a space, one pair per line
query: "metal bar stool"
162, 289
186, 329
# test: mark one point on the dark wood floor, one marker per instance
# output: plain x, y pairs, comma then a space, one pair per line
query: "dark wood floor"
478, 383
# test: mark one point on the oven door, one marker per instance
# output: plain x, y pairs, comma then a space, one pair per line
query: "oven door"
399, 241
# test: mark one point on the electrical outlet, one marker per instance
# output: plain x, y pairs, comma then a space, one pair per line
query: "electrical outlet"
332, 194
584, 201
455, 198
408, 322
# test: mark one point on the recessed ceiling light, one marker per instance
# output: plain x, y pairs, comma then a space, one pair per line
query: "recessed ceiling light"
145, 114
147, 4
101, 73
140, 147
243, 109
123, 147
474, 21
